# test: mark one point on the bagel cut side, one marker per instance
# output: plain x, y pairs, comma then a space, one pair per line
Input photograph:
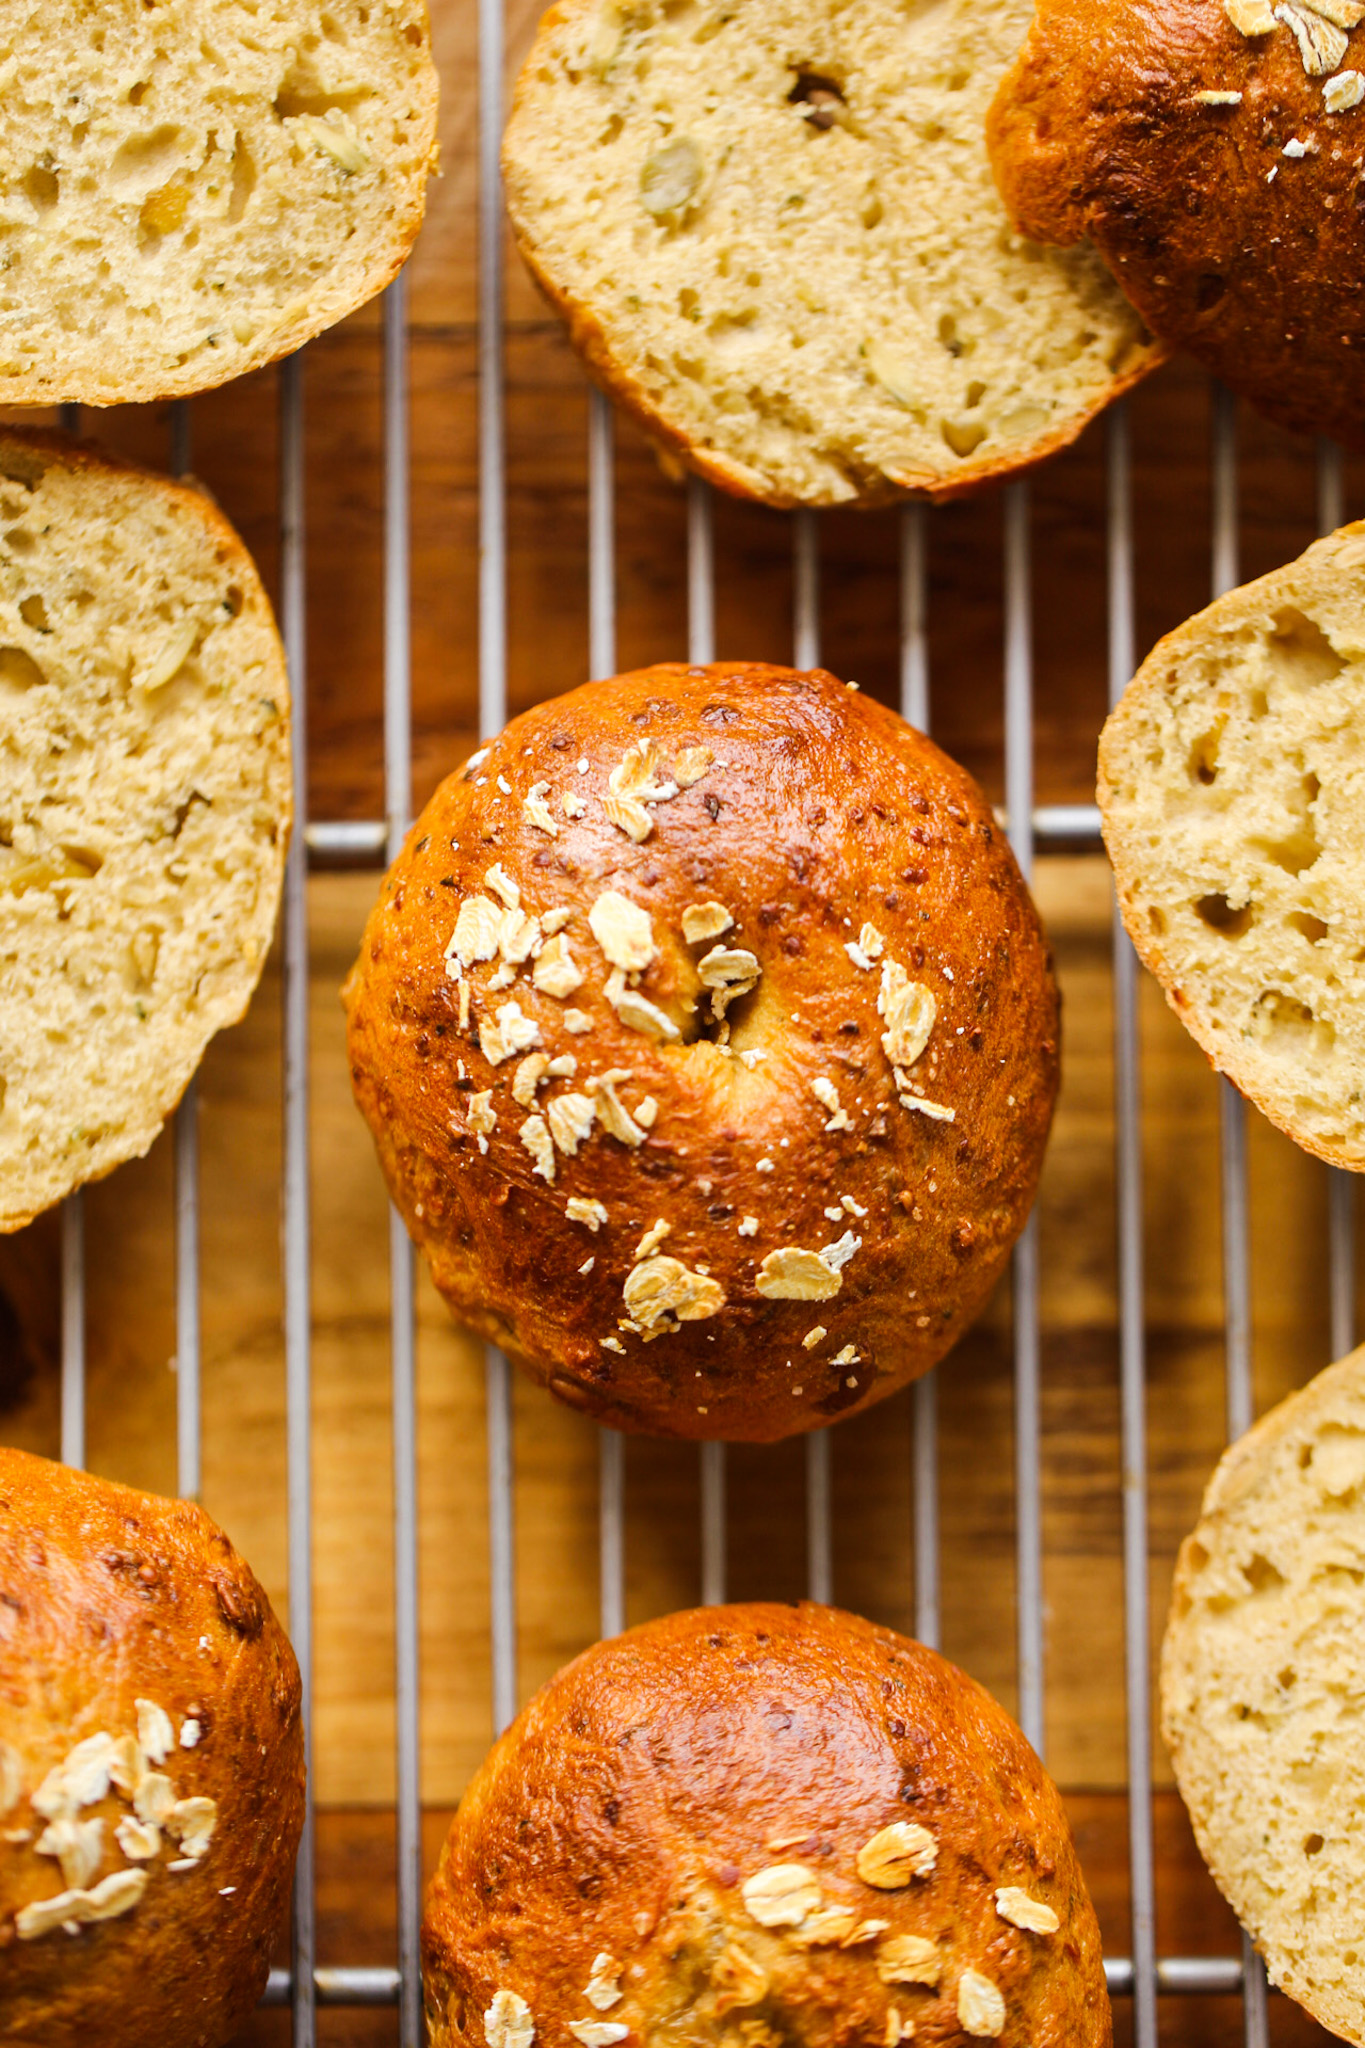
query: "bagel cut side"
144, 722
709, 1039
194, 189
1262, 1675
772, 229
1232, 790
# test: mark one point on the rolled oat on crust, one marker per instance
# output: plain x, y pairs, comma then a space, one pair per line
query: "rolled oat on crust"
772, 230
762, 1824
709, 1040
1211, 151
151, 1768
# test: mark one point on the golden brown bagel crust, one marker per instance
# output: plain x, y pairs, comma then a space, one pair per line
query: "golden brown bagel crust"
107, 1597
820, 812
621, 1818
1249, 259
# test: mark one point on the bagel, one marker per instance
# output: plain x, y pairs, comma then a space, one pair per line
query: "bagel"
194, 189
709, 1040
151, 1768
771, 228
1262, 1670
144, 810
1211, 154
762, 1824
1230, 795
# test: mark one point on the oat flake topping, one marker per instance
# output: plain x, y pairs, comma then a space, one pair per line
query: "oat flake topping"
571, 1119
1012, 1903
980, 2005
909, 1959
114, 1895
782, 1895
701, 921
507, 2023
623, 931
661, 1287
738, 1979
556, 972
604, 1991
909, 1009
896, 1854
792, 1274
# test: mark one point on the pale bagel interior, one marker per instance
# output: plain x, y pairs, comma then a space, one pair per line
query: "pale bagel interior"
1263, 1679
776, 230
192, 189
1232, 782
143, 812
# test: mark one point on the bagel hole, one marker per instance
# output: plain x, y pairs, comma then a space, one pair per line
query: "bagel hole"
702, 1026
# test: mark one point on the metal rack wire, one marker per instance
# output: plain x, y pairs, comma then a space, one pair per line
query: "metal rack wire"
1141, 1975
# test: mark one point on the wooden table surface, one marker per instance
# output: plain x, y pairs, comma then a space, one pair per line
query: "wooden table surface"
129, 1218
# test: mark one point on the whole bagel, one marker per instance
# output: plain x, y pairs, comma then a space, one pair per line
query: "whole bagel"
762, 1824
151, 1768
708, 1036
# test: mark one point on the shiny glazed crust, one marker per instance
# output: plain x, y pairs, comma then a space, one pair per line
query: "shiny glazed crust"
820, 812
616, 1836
1248, 258
109, 1597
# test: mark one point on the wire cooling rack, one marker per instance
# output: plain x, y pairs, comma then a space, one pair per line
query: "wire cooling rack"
1140, 1976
